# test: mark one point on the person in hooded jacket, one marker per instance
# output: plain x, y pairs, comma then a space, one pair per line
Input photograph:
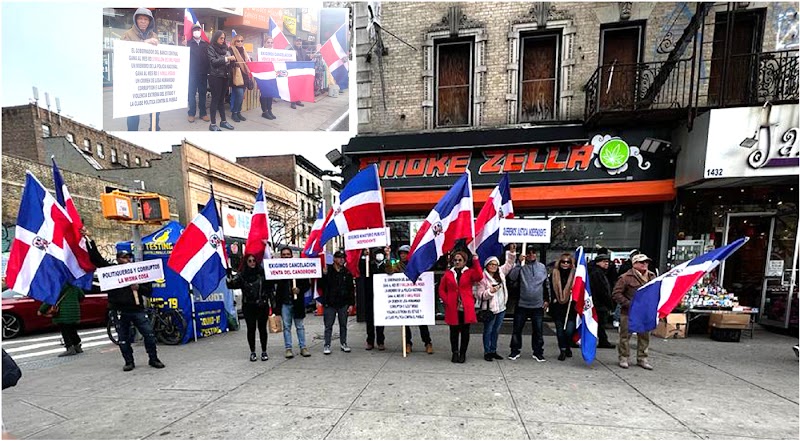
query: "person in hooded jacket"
257, 298
455, 290
143, 30
492, 291
218, 74
290, 306
561, 309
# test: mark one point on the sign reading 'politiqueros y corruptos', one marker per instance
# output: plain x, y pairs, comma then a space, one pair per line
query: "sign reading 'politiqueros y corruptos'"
149, 78
118, 276
296, 268
399, 302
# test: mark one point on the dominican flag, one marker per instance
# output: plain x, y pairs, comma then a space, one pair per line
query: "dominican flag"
661, 295
39, 263
360, 206
189, 20
586, 321
288, 80
487, 225
199, 255
450, 220
334, 53
74, 243
313, 245
279, 40
259, 229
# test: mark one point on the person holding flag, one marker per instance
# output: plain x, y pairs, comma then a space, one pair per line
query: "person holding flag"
493, 291
586, 314
561, 280
624, 292
533, 299
266, 101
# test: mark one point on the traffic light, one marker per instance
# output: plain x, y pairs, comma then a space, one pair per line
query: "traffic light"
154, 209
116, 206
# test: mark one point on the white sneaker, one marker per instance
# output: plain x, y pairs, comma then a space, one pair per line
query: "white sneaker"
540, 359
327, 350
616, 323
345, 348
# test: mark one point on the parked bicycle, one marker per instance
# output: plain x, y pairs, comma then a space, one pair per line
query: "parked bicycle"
169, 325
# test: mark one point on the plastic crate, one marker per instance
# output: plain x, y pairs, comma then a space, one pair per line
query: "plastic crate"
727, 335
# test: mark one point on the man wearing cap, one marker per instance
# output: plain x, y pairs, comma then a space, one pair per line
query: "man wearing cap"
533, 292
129, 301
601, 295
198, 73
399, 267
338, 293
624, 291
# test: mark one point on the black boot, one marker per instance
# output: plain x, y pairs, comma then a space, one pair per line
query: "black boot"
78, 348
562, 356
70, 351
462, 357
235, 117
272, 115
241, 117
455, 357
569, 353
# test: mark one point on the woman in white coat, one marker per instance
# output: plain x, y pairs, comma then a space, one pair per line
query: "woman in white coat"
492, 294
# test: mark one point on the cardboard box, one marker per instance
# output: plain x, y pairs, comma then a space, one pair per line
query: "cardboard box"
729, 320
672, 326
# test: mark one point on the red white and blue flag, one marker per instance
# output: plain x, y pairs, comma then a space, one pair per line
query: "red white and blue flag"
360, 206
258, 236
290, 80
189, 20
450, 220
586, 321
279, 41
313, 245
334, 53
74, 243
487, 225
199, 255
661, 295
39, 264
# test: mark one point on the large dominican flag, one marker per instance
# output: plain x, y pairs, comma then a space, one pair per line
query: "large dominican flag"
189, 20
279, 41
661, 295
360, 206
450, 220
38, 263
199, 255
586, 320
313, 245
74, 242
290, 81
334, 53
258, 236
487, 225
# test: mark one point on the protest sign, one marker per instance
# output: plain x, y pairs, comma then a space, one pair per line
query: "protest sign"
296, 268
117, 276
524, 231
265, 54
149, 78
398, 302
361, 239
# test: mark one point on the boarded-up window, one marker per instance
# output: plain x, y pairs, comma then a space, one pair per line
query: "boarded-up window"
453, 84
539, 78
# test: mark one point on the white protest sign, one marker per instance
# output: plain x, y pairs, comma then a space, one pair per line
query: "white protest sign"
266, 54
296, 268
149, 78
398, 302
118, 276
360, 239
524, 230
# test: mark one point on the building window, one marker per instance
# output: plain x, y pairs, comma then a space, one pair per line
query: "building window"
539, 78
71, 137
147, 163
454, 84
45, 131
114, 155
101, 153
126, 159
138, 161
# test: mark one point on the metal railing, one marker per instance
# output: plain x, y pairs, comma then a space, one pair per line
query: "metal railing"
753, 79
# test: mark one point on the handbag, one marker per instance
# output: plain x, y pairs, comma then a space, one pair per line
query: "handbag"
275, 324
238, 80
484, 314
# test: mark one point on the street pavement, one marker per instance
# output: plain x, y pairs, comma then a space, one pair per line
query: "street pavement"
323, 115
700, 389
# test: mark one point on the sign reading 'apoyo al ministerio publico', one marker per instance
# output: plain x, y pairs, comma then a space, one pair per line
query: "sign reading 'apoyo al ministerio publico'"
524, 230
296, 268
117, 276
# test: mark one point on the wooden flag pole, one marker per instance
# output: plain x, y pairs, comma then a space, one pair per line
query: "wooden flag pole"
524, 252
403, 336
294, 287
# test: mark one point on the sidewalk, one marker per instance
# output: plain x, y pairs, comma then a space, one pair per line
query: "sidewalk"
320, 115
700, 389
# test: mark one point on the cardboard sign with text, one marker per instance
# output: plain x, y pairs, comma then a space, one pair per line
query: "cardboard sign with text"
266, 54
117, 276
360, 239
296, 268
524, 231
149, 78
398, 302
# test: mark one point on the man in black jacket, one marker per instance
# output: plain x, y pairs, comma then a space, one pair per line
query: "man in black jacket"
301, 56
198, 73
601, 294
129, 301
364, 285
291, 307
338, 293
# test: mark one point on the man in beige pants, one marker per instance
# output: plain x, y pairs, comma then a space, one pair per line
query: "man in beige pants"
624, 290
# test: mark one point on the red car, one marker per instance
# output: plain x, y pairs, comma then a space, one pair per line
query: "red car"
19, 313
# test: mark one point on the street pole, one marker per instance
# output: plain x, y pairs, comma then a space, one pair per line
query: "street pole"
136, 233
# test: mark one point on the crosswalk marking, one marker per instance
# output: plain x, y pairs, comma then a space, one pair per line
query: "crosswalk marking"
59, 350
16, 341
54, 342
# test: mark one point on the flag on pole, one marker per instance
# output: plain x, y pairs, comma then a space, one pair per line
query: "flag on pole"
586, 321
189, 20
360, 206
38, 264
313, 245
279, 41
335, 54
487, 225
258, 236
74, 242
199, 255
661, 295
450, 220
290, 80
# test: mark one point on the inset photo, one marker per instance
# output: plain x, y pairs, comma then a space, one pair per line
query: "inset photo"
225, 69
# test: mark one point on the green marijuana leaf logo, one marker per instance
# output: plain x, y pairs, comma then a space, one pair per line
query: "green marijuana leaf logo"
614, 154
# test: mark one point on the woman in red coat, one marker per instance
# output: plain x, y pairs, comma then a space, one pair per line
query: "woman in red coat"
455, 290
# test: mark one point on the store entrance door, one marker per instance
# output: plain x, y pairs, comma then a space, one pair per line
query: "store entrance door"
743, 273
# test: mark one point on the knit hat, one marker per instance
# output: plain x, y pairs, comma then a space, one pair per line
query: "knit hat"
491, 259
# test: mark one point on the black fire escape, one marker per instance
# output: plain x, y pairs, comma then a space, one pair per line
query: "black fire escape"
715, 73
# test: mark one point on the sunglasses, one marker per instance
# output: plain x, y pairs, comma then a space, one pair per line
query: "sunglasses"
565, 261
458, 260
251, 260
239, 41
